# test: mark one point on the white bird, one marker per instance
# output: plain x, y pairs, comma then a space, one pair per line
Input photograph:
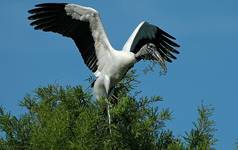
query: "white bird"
84, 26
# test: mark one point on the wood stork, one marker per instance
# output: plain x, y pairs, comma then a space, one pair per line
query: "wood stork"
84, 26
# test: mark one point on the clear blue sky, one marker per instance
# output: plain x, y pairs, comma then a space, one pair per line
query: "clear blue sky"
206, 69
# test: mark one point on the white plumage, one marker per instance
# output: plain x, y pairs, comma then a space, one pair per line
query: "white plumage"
84, 26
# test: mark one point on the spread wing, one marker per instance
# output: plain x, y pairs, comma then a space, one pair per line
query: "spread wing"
149, 42
82, 24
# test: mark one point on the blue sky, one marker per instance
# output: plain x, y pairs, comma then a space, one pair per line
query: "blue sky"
206, 69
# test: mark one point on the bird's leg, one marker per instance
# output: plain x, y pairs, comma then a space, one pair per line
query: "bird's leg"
109, 115
107, 88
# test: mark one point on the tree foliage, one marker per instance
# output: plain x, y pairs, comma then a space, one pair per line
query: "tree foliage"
202, 135
69, 118
237, 144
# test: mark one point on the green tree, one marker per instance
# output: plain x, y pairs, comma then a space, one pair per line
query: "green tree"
202, 135
69, 118
237, 145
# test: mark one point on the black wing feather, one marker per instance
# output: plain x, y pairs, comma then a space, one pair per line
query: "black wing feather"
163, 41
52, 17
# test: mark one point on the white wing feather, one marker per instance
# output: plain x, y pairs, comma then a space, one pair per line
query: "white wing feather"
102, 45
129, 42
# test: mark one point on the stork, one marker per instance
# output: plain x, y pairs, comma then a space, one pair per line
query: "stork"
84, 26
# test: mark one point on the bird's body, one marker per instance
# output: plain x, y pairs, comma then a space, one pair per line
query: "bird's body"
113, 72
84, 26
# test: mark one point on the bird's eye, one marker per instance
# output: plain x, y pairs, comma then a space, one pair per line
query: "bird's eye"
149, 46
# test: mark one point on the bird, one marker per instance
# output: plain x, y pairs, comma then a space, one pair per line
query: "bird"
84, 26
